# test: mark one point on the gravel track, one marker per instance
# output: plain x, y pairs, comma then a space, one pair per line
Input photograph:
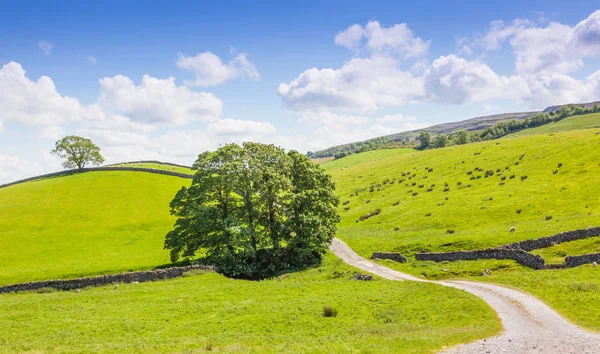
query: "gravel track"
530, 326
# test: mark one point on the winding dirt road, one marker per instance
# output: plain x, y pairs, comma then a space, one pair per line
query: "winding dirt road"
530, 326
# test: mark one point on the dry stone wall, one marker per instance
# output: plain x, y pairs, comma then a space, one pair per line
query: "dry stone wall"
93, 169
574, 261
520, 256
389, 255
79, 283
530, 245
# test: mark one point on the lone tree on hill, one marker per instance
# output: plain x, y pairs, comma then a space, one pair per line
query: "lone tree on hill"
253, 210
77, 152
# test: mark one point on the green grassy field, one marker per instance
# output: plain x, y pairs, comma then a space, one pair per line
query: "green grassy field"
156, 166
584, 121
210, 312
463, 213
89, 223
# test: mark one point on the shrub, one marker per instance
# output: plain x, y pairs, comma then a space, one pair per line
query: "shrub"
523, 178
478, 176
449, 231
430, 170
559, 165
329, 311
396, 203
554, 172
415, 194
472, 178
396, 228
511, 176
414, 184
498, 170
469, 173
421, 185
433, 185
522, 156
519, 211
503, 178
491, 198
367, 201
488, 173
428, 214
501, 184
446, 189
548, 217
346, 202
517, 163
347, 208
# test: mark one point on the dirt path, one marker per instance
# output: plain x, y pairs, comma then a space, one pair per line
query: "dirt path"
530, 326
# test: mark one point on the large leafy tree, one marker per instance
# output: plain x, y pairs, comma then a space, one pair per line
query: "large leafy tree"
253, 210
77, 152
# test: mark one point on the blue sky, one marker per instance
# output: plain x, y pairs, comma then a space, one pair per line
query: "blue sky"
150, 80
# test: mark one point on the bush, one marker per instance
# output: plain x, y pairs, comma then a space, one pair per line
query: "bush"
446, 189
415, 194
430, 189
523, 178
367, 201
559, 165
347, 208
503, 178
370, 215
329, 311
449, 231
548, 217
511, 176
428, 214
458, 183
519, 211
554, 172
396, 203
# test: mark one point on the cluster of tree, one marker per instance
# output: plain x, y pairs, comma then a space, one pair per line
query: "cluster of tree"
342, 151
503, 128
254, 210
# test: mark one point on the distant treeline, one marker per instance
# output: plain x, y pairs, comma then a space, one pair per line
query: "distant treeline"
503, 128
425, 140
361, 146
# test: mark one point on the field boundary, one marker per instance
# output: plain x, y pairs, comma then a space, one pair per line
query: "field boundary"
149, 161
100, 280
98, 169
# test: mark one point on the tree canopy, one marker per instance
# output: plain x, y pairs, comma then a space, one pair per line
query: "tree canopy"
77, 152
254, 210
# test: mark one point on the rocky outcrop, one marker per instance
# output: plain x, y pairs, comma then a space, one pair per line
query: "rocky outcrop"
79, 283
389, 255
520, 256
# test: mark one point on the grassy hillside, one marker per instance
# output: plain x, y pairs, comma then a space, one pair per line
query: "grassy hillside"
584, 121
83, 224
458, 212
210, 312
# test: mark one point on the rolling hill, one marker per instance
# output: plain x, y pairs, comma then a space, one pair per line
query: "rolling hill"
112, 221
441, 200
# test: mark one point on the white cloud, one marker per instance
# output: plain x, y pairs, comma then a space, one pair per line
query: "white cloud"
158, 101
92, 60
350, 37
452, 79
45, 47
13, 167
392, 118
209, 70
330, 118
1, 126
36, 104
53, 132
361, 85
239, 127
397, 39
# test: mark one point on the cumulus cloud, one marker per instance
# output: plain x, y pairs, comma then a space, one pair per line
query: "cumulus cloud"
45, 47
397, 39
158, 101
209, 70
361, 85
32, 103
452, 79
